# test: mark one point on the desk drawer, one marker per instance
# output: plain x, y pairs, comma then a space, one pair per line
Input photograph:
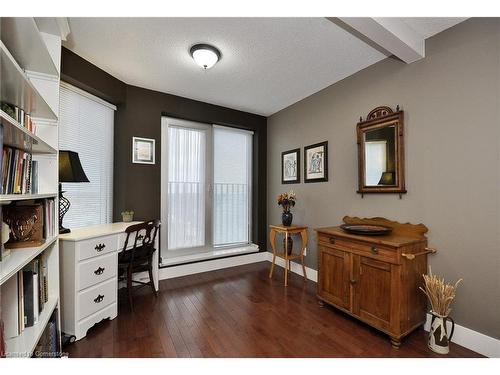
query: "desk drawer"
97, 298
372, 250
96, 270
97, 246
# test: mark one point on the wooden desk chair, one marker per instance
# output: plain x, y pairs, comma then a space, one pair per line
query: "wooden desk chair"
139, 258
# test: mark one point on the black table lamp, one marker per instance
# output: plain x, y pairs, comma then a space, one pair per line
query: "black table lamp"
70, 170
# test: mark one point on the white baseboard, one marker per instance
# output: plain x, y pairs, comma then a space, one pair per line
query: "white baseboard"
295, 267
211, 265
473, 340
478, 342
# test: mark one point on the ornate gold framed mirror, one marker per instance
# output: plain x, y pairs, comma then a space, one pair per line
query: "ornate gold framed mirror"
381, 152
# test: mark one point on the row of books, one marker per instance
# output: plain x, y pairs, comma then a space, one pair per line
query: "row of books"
18, 172
19, 115
49, 223
24, 297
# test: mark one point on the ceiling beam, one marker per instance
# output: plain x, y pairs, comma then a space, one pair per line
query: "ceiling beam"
54, 25
393, 35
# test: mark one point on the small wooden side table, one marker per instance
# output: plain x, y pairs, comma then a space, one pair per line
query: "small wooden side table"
287, 231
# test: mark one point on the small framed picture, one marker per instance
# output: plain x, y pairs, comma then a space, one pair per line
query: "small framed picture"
290, 166
316, 162
143, 150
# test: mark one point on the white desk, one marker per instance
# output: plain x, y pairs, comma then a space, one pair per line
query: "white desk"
89, 275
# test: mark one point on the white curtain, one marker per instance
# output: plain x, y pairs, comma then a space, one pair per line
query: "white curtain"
86, 127
186, 187
232, 174
375, 161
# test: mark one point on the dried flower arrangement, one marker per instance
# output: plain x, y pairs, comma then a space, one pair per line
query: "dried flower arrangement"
439, 293
287, 200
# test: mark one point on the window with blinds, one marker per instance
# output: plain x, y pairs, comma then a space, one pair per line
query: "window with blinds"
86, 127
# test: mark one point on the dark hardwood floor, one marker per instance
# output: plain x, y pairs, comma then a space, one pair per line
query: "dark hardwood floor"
240, 312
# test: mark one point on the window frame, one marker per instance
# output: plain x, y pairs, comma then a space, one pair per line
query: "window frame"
166, 122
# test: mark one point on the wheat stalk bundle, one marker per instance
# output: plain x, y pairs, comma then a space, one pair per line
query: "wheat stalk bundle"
439, 293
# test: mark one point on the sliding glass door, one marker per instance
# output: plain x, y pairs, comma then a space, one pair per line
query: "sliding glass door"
206, 185
188, 152
231, 197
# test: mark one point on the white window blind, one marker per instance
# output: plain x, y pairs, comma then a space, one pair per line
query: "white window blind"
86, 127
232, 173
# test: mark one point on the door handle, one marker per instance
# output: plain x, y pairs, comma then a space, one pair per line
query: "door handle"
99, 271
353, 281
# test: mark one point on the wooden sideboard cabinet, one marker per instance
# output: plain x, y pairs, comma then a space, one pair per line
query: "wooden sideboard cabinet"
375, 278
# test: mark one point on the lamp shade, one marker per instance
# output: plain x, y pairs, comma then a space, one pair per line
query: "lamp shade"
387, 178
70, 168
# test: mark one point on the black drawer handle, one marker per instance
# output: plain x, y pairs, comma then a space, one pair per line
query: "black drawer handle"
99, 271
332, 240
99, 298
99, 247
374, 250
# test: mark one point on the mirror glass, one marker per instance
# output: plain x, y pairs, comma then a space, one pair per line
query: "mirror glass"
380, 156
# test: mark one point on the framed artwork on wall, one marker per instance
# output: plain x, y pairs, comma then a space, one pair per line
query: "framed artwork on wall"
143, 150
316, 162
290, 166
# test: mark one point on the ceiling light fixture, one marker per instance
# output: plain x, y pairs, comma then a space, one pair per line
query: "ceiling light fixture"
205, 55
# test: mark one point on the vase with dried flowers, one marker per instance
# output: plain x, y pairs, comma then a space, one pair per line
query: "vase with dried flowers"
440, 295
287, 200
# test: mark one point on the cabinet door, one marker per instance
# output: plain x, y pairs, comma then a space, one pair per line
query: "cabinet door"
374, 292
333, 283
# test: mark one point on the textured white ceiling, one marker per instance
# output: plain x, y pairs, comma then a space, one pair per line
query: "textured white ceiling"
267, 63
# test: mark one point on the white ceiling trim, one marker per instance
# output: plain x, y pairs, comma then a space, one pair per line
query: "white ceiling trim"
391, 34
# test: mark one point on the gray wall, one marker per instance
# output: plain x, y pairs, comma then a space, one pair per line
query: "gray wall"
451, 102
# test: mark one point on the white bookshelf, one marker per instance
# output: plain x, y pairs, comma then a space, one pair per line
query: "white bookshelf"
17, 136
21, 257
18, 90
30, 66
26, 342
25, 42
7, 198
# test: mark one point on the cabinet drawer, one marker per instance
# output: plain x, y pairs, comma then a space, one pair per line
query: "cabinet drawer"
96, 298
96, 270
374, 250
97, 246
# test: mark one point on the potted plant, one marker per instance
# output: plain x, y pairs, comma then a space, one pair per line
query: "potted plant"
287, 200
440, 295
127, 216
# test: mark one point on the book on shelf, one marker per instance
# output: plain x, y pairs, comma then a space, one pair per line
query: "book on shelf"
24, 296
16, 171
19, 115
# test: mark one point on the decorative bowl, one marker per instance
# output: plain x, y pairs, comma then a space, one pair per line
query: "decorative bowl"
366, 229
